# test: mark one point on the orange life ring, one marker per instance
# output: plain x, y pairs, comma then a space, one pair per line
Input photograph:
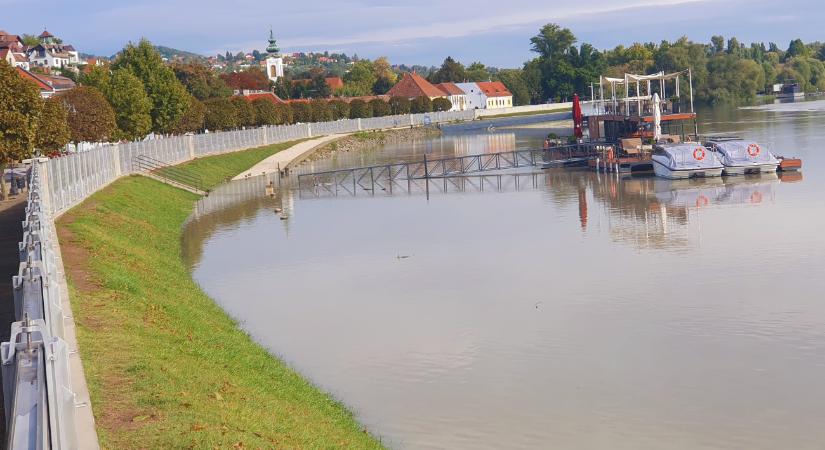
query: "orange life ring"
699, 153
702, 201
754, 150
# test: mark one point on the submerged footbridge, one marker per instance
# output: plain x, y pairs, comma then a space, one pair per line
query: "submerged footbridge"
386, 176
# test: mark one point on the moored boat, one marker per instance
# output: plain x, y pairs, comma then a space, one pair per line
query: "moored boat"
686, 160
741, 157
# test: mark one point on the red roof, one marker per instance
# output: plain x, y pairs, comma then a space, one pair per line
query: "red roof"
34, 79
334, 82
45, 34
493, 89
450, 89
266, 95
414, 85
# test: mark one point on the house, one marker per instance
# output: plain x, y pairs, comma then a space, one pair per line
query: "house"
487, 95
334, 83
413, 85
46, 90
456, 96
496, 93
50, 53
15, 59
8, 40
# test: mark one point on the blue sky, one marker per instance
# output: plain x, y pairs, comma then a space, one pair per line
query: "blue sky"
422, 32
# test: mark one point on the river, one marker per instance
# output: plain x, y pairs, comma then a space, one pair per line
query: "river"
553, 309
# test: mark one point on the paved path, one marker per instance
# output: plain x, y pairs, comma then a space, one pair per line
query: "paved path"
292, 155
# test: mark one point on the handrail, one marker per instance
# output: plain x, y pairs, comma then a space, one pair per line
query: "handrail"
162, 169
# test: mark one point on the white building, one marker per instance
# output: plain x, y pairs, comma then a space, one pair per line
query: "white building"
456, 96
487, 95
15, 59
50, 53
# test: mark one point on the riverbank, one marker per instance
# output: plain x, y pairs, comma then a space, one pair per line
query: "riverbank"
370, 140
167, 367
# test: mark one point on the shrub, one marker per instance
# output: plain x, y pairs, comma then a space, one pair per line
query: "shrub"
244, 111
400, 105
220, 114
339, 109
265, 112
421, 105
301, 111
320, 110
380, 108
442, 104
359, 109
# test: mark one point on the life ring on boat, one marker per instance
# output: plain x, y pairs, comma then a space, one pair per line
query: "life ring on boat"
699, 153
756, 197
702, 201
754, 150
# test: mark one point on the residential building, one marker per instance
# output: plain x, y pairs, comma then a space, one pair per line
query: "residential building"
496, 94
456, 96
46, 90
413, 85
50, 53
486, 95
8, 40
15, 59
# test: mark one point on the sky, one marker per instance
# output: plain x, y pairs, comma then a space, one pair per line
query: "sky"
496, 33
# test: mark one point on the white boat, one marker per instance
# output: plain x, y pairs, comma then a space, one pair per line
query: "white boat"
685, 160
740, 157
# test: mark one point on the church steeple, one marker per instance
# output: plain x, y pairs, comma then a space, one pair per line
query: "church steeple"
272, 48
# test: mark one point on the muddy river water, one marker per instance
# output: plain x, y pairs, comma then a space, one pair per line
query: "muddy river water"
546, 309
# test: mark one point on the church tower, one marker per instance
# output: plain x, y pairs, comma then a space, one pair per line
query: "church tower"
274, 62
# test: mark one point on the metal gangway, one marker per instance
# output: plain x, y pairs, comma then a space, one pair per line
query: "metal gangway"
385, 175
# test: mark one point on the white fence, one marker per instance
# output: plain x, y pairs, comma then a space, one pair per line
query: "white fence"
74, 177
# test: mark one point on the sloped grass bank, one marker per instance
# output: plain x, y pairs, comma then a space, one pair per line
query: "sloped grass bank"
166, 367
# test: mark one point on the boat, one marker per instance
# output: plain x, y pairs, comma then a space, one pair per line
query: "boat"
743, 157
685, 160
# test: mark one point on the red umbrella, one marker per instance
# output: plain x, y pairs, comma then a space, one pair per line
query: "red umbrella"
577, 116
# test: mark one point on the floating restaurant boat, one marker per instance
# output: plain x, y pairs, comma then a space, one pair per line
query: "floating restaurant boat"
743, 157
685, 160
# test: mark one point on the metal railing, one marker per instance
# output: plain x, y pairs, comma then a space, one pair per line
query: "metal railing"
167, 172
39, 403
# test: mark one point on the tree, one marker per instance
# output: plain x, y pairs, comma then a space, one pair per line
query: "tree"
339, 109
552, 42
90, 117
251, 79
477, 72
359, 109
442, 104
385, 76
420, 105
717, 44
796, 48
400, 105
169, 97
265, 112
514, 81
283, 88
244, 111
132, 107
318, 87
285, 115
98, 77
29, 40
192, 120
220, 114
53, 130
379, 108
451, 71
20, 108
201, 81
360, 79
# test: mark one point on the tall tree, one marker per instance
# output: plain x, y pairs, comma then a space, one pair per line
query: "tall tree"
477, 72
360, 78
53, 131
192, 120
20, 108
169, 97
133, 108
244, 111
451, 71
252, 79
201, 81
220, 114
514, 81
90, 117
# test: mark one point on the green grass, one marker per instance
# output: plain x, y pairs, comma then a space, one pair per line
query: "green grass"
528, 113
214, 170
166, 367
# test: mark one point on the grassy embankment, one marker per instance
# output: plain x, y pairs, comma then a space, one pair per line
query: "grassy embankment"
166, 367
